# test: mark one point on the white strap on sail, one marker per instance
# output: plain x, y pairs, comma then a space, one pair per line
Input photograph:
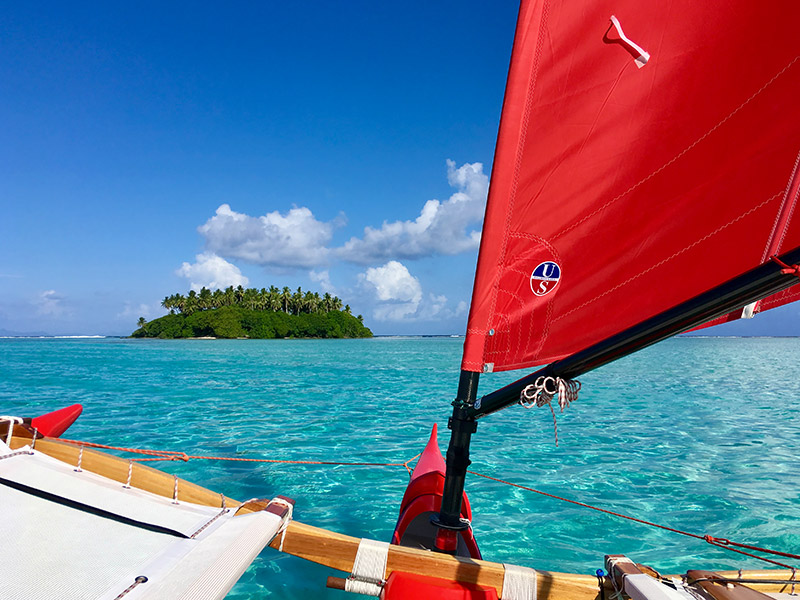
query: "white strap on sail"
749, 311
519, 583
369, 568
644, 56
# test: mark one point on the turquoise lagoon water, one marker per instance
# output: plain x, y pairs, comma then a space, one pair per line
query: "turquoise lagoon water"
700, 434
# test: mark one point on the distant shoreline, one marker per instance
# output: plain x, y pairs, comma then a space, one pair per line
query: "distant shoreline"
376, 336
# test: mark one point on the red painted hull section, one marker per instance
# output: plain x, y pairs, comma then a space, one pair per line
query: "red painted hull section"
423, 496
405, 585
55, 423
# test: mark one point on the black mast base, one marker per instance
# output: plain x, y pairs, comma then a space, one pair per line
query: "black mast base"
462, 426
460, 526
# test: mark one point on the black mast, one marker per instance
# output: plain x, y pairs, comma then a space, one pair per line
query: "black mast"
462, 426
756, 284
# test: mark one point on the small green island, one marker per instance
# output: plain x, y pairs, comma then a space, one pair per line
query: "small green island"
236, 313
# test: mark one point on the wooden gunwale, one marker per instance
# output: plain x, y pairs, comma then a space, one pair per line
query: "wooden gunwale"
337, 550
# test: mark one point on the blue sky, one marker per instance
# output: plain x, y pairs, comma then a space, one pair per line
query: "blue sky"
340, 147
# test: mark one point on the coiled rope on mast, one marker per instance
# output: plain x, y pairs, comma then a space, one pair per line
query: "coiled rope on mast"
542, 392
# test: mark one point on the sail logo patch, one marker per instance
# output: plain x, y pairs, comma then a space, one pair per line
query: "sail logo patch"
545, 278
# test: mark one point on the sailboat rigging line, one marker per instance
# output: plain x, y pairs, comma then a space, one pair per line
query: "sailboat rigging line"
773, 276
723, 543
714, 541
182, 456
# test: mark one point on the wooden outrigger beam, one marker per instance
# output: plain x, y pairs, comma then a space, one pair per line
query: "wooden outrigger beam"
338, 551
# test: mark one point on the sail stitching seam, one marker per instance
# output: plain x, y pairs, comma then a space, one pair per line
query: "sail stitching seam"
681, 154
517, 344
778, 298
520, 143
521, 303
786, 198
793, 205
666, 260
549, 304
505, 320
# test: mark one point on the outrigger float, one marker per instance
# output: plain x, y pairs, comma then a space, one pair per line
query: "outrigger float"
645, 183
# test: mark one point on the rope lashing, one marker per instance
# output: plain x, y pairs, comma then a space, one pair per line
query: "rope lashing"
787, 269
11, 422
369, 568
288, 517
542, 392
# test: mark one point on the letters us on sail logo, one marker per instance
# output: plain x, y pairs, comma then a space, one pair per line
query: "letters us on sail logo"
545, 278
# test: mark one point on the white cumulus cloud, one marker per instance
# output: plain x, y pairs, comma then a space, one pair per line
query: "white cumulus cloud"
399, 296
211, 271
441, 227
294, 239
398, 291
323, 278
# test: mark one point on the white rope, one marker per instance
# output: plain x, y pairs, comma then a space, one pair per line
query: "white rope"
11, 422
80, 461
369, 568
644, 56
519, 583
127, 485
286, 518
542, 392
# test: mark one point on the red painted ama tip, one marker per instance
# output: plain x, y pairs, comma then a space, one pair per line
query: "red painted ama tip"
55, 423
431, 458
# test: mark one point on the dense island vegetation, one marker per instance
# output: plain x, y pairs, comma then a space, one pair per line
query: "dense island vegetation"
252, 313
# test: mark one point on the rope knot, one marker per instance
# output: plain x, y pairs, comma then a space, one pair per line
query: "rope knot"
716, 541
787, 269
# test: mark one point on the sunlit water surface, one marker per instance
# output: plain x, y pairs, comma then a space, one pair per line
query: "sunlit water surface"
700, 434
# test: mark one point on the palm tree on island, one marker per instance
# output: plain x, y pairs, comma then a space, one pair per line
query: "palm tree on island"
253, 313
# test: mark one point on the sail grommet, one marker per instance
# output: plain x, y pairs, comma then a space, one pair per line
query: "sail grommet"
488, 367
491, 332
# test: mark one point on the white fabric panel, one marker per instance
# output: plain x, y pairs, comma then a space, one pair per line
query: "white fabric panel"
50, 475
211, 564
54, 552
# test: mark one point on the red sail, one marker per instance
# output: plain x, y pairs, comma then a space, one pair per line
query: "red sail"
621, 189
